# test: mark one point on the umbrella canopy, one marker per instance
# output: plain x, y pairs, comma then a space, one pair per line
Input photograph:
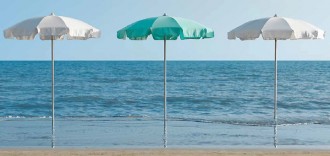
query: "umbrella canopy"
165, 28
279, 28
52, 28
276, 28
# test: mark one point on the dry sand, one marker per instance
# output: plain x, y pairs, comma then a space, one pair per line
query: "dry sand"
161, 152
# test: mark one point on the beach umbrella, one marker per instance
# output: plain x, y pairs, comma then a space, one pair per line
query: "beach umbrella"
276, 28
165, 28
52, 28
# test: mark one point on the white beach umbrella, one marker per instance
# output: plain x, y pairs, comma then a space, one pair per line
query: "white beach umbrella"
52, 28
276, 28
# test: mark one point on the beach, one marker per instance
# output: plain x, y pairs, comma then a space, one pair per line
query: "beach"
179, 85
164, 152
119, 105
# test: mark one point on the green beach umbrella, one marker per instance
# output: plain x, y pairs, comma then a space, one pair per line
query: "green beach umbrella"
165, 28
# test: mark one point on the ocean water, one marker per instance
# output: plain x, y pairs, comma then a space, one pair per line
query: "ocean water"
120, 103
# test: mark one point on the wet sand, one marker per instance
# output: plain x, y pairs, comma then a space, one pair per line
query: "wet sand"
164, 152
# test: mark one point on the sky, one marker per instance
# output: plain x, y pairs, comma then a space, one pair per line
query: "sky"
111, 15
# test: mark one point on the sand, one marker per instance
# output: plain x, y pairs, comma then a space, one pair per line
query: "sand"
162, 152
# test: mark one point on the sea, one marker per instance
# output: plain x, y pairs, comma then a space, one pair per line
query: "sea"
119, 104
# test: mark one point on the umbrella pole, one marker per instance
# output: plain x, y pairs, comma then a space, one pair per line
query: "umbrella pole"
53, 113
275, 97
165, 113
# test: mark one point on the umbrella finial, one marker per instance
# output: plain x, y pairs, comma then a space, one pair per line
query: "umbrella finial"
164, 14
52, 14
275, 15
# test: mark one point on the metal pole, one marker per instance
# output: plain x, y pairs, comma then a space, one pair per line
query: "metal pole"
165, 113
53, 98
275, 98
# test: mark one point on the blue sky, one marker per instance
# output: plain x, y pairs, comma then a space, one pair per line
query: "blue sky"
112, 15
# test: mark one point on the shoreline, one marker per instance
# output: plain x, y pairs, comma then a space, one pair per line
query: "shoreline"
146, 134
164, 152
174, 147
